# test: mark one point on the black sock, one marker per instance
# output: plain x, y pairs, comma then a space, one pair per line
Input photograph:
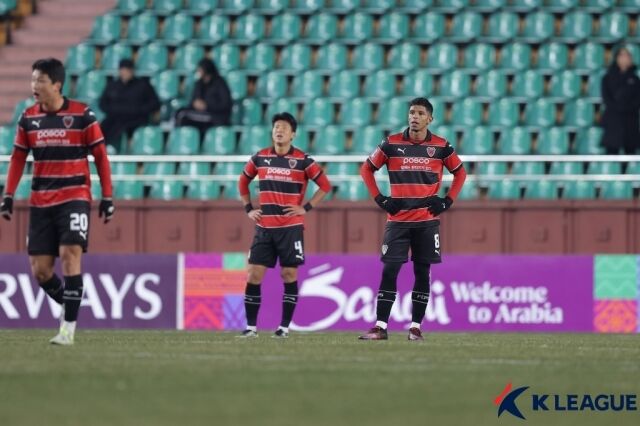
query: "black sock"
387, 292
289, 301
54, 288
252, 303
72, 297
420, 293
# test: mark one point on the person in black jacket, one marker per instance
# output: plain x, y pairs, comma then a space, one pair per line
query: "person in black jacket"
210, 101
621, 95
128, 103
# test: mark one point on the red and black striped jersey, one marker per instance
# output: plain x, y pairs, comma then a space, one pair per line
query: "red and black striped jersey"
283, 181
415, 170
60, 142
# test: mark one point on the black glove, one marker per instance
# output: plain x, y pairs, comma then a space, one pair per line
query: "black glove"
6, 207
437, 205
106, 209
388, 204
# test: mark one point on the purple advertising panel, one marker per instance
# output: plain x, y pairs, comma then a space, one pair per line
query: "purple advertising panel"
120, 291
468, 293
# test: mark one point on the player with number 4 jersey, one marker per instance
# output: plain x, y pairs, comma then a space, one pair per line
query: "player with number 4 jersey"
284, 172
60, 133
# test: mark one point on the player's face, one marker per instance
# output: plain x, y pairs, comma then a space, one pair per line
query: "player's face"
42, 88
282, 133
419, 118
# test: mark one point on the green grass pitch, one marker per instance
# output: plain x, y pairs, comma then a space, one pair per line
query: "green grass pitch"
199, 378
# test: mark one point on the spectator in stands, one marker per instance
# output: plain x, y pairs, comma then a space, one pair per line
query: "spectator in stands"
621, 95
128, 103
210, 102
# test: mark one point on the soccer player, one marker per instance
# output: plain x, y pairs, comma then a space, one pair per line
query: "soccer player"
415, 161
284, 172
60, 133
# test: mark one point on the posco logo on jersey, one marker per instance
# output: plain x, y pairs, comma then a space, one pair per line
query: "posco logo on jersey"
52, 133
278, 171
415, 160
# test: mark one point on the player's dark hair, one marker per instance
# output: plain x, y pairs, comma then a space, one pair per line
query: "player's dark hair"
285, 116
51, 67
422, 102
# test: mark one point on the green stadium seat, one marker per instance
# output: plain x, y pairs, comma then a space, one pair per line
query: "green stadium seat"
152, 58
381, 84
528, 85
524, 5
541, 190
341, 7
331, 57
566, 168
231, 169
598, 6
469, 191
579, 113
357, 28
477, 141
123, 168
7, 136
344, 85
377, 6
579, 190
203, 190
281, 105
302, 139
589, 57
515, 57
254, 139
342, 169
491, 85
147, 140
230, 190
552, 57
167, 190
404, 57
446, 132
142, 28
128, 189
159, 168
219, 141
454, 85
194, 168
234, 7
177, 29
352, 191
318, 112
166, 7
467, 113
538, 27
479, 57
355, 113
633, 168
321, 28
428, 28
237, 81
186, 58
616, 190
226, 57
487, 5
80, 58
528, 168
112, 54
418, 82
613, 26
413, 6
442, 57
248, 29
515, 141
450, 6
565, 86
200, 7
576, 26
367, 57
330, 140
20, 107
105, 30
439, 110
295, 58
393, 28
285, 28
213, 29
604, 168
269, 7
89, 86
393, 113
553, 141
466, 26
541, 113
506, 189
272, 85
588, 141
308, 85
502, 27
260, 58
23, 191
130, 7
364, 140
306, 7
561, 5
249, 112
183, 141
629, 5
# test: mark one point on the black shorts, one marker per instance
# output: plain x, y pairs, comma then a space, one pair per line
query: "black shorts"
424, 243
286, 244
61, 225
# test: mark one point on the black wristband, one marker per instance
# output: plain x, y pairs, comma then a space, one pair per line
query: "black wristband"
248, 207
307, 207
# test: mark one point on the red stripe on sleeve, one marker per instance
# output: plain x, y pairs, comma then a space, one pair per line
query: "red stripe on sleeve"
243, 184
16, 167
366, 171
323, 183
459, 177
99, 152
